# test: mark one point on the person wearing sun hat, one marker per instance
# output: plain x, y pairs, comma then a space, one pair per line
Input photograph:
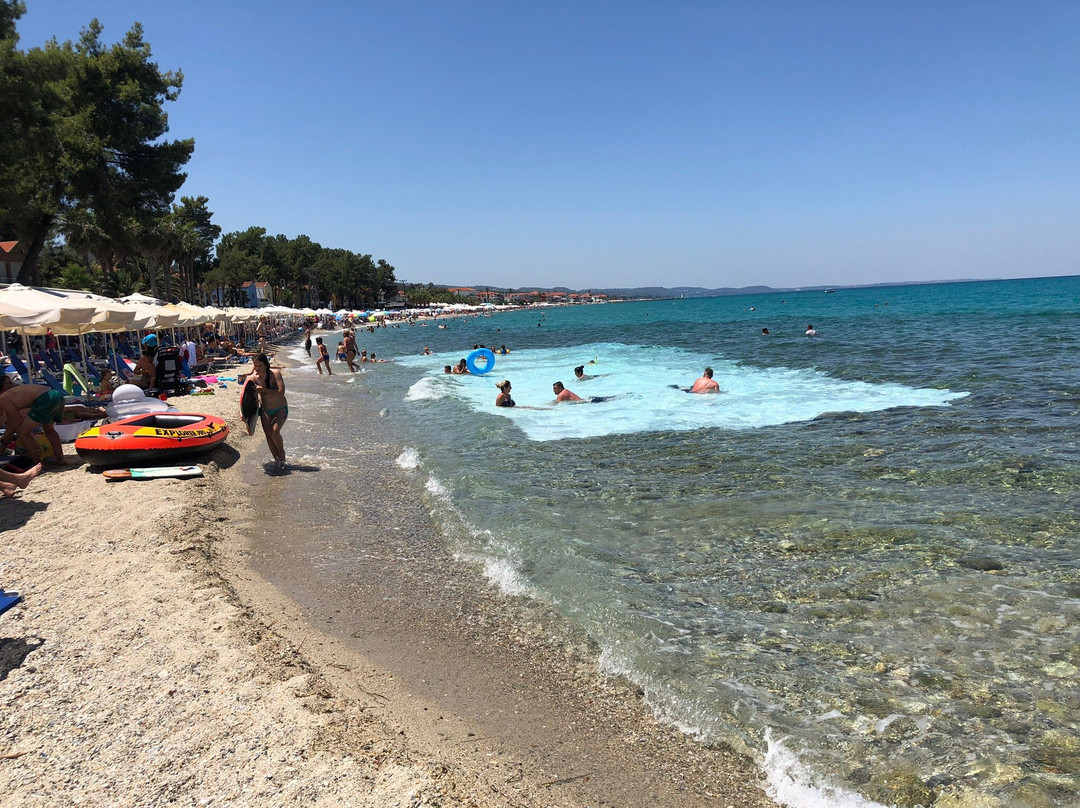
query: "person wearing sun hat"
503, 399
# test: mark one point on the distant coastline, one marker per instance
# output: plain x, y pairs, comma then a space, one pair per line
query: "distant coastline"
676, 292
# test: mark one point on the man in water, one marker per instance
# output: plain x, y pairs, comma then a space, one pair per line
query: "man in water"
810, 332
706, 384
562, 394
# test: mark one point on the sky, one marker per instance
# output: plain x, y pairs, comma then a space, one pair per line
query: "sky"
594, 144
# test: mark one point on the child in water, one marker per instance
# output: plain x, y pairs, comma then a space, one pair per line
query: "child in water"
324, 357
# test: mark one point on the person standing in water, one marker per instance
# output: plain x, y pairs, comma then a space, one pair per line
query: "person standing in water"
350, 351
324, 357
273, 407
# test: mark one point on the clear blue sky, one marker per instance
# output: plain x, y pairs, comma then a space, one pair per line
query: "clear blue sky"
597, 144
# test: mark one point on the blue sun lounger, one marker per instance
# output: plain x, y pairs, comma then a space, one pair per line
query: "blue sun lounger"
8, 599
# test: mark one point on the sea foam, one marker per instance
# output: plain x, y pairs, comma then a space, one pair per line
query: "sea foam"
409, 459
638, 388
792, 784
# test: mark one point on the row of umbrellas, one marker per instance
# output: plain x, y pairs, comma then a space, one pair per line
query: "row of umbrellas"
34, 311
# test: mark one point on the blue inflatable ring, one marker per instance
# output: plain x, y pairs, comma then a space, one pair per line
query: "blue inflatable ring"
470, 363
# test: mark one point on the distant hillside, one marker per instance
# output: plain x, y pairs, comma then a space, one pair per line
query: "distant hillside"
644, 291
687, 291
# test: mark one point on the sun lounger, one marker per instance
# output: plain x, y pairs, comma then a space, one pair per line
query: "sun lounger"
8, 599
73, 376
20, 367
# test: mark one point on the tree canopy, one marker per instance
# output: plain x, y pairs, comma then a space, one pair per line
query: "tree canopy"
83, 141
299, 271
84, 158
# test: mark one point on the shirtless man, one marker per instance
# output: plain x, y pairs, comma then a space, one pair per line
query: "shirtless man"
562, 394
27, 406
706, 384
324, 357
145, 370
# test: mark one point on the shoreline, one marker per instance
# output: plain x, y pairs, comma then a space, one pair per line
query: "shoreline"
161, 656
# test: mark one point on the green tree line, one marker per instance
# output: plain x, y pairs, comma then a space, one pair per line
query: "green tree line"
88, 182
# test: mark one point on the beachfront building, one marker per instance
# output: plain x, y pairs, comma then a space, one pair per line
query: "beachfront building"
258, 294
12, 254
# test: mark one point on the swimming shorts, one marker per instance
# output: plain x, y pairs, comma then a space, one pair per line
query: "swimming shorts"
48, 408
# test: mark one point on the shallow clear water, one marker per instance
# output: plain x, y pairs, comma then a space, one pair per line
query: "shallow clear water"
798, 556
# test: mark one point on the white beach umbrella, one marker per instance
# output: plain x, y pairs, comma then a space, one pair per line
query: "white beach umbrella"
15, 317
144, 300
53, 309
110, 316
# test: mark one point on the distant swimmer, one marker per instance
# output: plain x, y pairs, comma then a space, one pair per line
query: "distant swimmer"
460, 368
764, 332
579, 373
503, 399
705, 384
562, 394
504, 350
810, 332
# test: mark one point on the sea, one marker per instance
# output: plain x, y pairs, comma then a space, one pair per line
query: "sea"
859, 562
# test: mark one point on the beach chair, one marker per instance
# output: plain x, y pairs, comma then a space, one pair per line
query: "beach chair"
52, 360
8, 599
73, 376
168, 372
51, 381
20, 367
120, 366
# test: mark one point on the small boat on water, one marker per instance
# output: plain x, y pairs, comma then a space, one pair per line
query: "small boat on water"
151, 437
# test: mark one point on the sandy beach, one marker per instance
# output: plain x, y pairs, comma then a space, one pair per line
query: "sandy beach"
153, 662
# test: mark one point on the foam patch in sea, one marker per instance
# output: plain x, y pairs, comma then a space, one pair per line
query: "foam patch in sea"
640, 388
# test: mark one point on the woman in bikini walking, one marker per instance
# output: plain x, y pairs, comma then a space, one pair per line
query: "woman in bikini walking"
274, 408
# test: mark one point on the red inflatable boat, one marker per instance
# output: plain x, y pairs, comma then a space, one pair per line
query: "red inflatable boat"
149, 437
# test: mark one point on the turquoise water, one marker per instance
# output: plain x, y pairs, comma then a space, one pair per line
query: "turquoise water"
796, 565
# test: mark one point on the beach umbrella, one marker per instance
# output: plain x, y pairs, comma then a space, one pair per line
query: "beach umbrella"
14, 317
109, 316
144, 300
52, 309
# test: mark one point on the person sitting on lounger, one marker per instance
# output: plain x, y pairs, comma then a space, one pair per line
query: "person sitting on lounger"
107, 383
145, 371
